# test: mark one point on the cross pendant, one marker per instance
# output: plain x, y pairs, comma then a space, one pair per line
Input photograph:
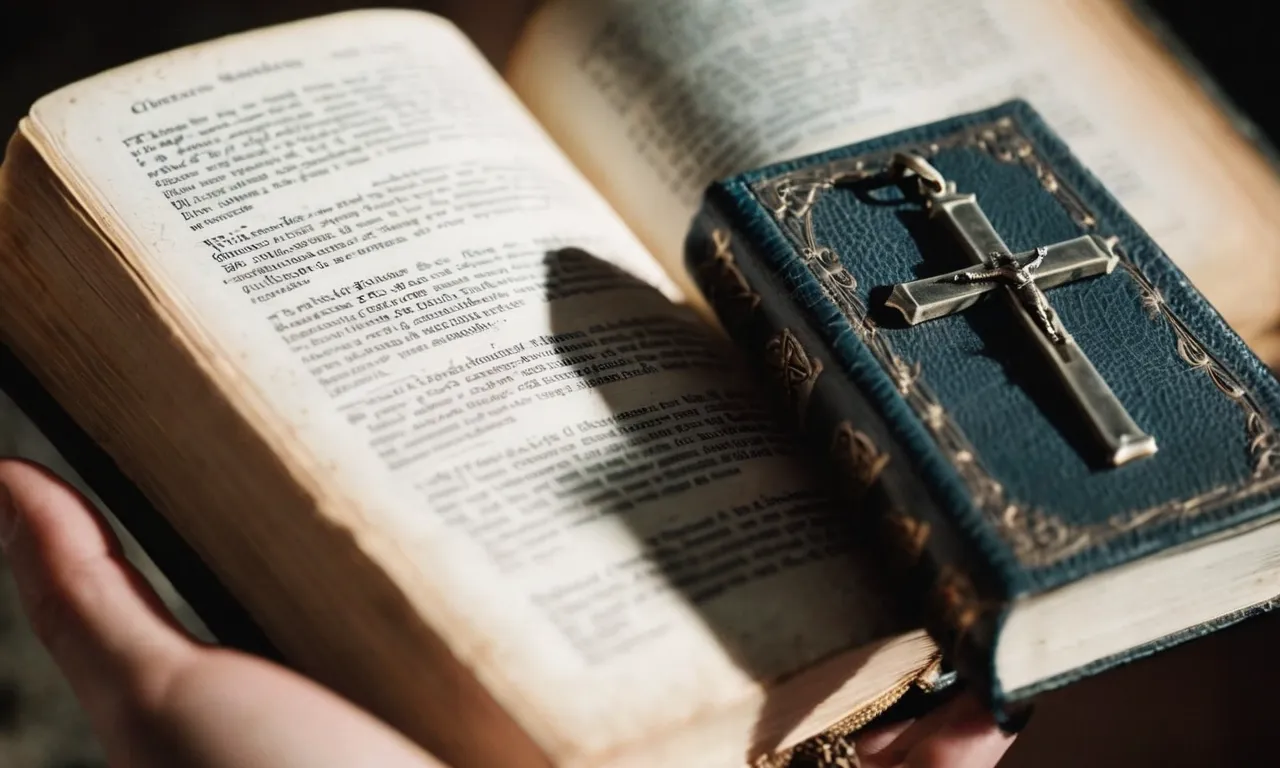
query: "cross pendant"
1019, 281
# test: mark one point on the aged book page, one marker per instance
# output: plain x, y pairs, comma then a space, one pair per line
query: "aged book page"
359, 222
653, 99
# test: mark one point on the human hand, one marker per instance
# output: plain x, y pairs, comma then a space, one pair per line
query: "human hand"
959, 734
157, 697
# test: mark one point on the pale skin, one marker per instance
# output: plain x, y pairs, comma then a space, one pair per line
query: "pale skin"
158, 698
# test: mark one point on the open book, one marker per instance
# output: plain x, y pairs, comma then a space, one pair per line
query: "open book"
409, 356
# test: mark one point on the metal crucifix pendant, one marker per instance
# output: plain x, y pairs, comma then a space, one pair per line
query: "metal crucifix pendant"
1020, 279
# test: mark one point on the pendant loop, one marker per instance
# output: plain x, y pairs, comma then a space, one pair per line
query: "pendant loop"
931, 179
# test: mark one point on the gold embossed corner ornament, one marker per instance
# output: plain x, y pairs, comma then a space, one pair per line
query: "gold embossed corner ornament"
907, 535
857, 460
725, 286
795, 371
955, 602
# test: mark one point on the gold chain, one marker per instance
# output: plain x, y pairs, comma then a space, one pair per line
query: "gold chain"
826, 750
835, 747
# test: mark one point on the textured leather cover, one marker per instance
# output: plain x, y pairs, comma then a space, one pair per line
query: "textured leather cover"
946, 435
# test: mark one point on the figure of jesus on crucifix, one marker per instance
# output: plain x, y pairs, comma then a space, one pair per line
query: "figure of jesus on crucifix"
1006, 270
1021, 280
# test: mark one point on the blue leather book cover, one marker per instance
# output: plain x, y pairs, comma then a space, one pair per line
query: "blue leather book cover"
1070, 474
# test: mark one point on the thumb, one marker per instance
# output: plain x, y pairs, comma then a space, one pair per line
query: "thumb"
154, 696
102, 623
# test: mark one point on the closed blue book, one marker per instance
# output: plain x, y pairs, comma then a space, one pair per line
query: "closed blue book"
1070, 455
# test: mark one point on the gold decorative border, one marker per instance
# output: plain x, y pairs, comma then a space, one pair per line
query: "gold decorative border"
796, 372
909, 536
725, 287
857, 459
1037, 537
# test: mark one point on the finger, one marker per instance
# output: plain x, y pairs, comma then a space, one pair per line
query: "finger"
968, 738
916, 731
877, 740
101, 622
229, 710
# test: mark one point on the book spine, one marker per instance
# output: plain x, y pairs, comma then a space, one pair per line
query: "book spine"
938, 575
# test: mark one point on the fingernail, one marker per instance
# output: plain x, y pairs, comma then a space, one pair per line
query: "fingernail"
8, 518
